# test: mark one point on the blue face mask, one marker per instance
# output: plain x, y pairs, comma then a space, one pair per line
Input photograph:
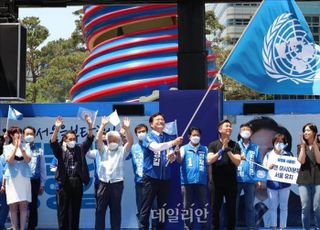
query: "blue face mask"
279, 146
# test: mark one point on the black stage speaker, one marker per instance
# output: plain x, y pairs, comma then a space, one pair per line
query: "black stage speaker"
129, 109
12, 61
258, 108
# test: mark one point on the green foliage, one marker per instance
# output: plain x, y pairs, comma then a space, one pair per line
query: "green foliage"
53, 68
232, 89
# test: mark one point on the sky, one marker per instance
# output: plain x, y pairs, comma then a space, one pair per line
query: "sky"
59, 20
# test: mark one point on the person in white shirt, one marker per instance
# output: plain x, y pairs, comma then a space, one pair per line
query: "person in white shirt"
278, 192
110, 172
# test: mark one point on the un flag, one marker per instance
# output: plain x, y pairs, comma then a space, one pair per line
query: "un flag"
276, 53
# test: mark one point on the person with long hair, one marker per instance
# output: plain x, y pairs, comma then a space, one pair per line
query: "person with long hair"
309, 175
17, 175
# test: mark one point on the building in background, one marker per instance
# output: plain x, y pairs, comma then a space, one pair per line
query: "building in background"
236, 16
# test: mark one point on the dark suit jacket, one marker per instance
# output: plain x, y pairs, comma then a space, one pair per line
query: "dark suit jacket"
80, 157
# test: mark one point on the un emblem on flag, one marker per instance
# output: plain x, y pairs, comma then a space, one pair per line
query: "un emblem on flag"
289, 53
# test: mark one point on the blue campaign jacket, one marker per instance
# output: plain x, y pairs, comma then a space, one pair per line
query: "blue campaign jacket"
247, 169
16, 166
194, 165
154, 163
136, 156
37, 164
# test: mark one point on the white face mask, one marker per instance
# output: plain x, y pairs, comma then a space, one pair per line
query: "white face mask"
71, 144
195, 139
141, 136
29, 138
245, 134
279, 146
113, 146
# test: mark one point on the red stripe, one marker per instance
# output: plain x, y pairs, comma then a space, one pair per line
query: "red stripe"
91, 11
212, 72
124, 70
126, 56
136, 33
128, 44
123, 12
127, 87
211, 56
129, 21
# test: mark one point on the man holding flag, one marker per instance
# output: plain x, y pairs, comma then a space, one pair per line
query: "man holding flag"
277, 52
157, 150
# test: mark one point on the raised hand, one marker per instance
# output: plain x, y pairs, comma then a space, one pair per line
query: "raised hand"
126, 123
178, 141
302, 141
59, 122
18, 141
104, 120
171, 157
88, 119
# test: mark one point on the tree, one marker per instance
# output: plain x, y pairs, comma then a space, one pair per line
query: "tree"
232, 89
54, 67
36, 35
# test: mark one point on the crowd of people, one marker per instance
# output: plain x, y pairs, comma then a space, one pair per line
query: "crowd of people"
214, 179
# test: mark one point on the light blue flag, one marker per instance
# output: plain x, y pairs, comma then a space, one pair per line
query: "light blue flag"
171, 128
14, 114
276, 53
82, 112
261, 173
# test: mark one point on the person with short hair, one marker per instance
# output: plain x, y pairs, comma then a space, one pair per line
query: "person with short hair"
224, 157
17, 177
72, 172
109, 162
278, 192
136, 156
158, 149
246, 171
39, 175
194, 178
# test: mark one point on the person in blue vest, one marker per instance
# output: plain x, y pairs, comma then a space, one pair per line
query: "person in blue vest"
158, 149
250, 156
136, 156
194, 178
39, 175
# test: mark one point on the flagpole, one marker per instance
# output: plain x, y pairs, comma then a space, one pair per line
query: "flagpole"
233, 48
257, 164
196, 111
7, 125
199, 106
